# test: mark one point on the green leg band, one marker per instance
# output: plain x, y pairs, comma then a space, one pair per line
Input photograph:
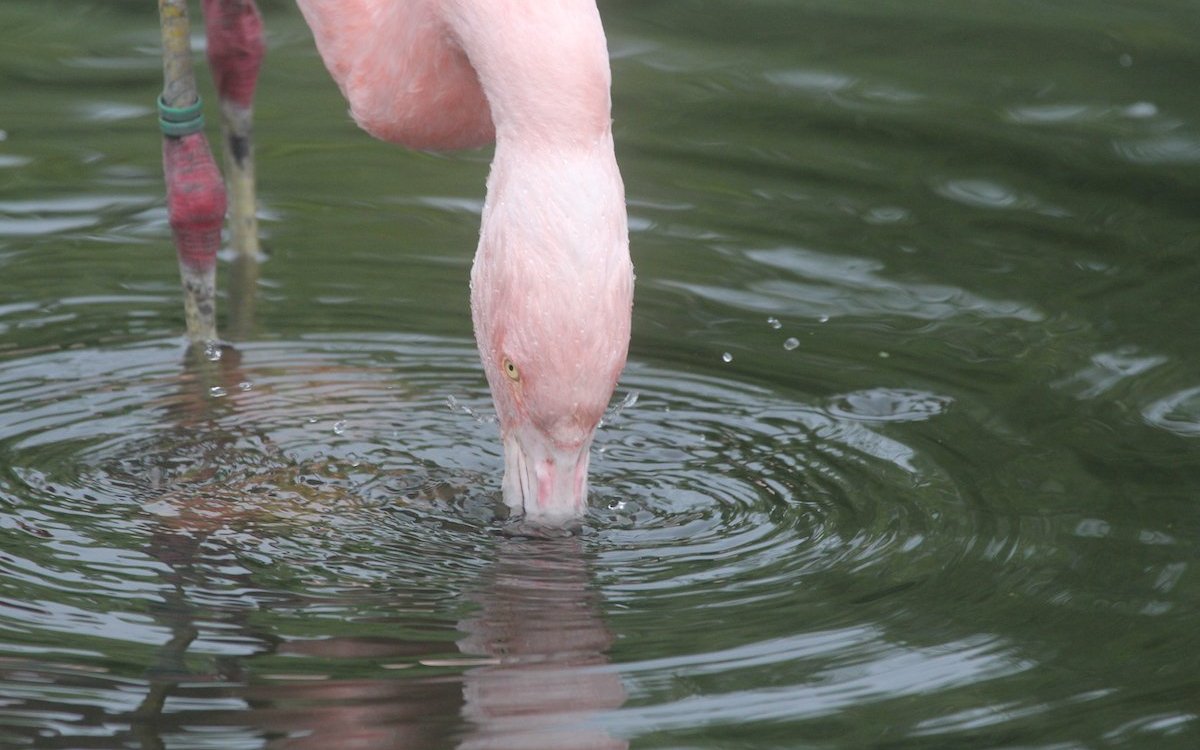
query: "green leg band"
180, 121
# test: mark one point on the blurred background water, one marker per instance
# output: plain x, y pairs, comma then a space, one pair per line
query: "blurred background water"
909, 455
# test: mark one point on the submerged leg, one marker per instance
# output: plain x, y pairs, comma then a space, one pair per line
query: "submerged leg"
195, 193
235, 52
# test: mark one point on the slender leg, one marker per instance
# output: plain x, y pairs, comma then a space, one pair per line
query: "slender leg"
195, 193
235, 52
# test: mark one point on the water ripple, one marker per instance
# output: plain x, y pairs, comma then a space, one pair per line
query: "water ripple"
286, 460
1162, 149
822, 283
1178, 413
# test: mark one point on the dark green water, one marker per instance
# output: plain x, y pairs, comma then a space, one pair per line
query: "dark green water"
914, 460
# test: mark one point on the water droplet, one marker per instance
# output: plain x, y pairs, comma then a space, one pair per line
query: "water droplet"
774, 323
339, 427
884, 355
212, 351
352, 459
245, 385
312, 420
217, 391
823, 319
791, 343
726, 357
1126, 60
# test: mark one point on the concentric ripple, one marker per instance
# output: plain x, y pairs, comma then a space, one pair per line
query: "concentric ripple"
150, 499
746, 482
298, 523
275, 536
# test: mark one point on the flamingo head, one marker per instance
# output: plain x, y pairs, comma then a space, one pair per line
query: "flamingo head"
552, 371
551, 299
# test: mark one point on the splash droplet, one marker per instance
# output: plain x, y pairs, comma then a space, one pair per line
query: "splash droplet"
245, 385
791, 343
456, 405
774, 323
217, 391
823, 319
726, 357
611, 415
339, 427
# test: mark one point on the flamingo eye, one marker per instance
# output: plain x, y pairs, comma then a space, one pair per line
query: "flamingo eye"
510, 369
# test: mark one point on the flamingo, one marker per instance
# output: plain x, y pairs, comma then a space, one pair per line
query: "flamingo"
552, 279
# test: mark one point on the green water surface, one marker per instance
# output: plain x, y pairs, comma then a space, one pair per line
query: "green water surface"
909, 455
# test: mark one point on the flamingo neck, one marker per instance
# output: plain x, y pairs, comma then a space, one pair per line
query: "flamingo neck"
543, 67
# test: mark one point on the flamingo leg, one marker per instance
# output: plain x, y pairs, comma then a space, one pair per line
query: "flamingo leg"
235, 52
195, 193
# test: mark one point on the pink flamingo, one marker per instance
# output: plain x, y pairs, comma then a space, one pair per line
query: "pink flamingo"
552, 282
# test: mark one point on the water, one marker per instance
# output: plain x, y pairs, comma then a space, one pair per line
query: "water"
912, 460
